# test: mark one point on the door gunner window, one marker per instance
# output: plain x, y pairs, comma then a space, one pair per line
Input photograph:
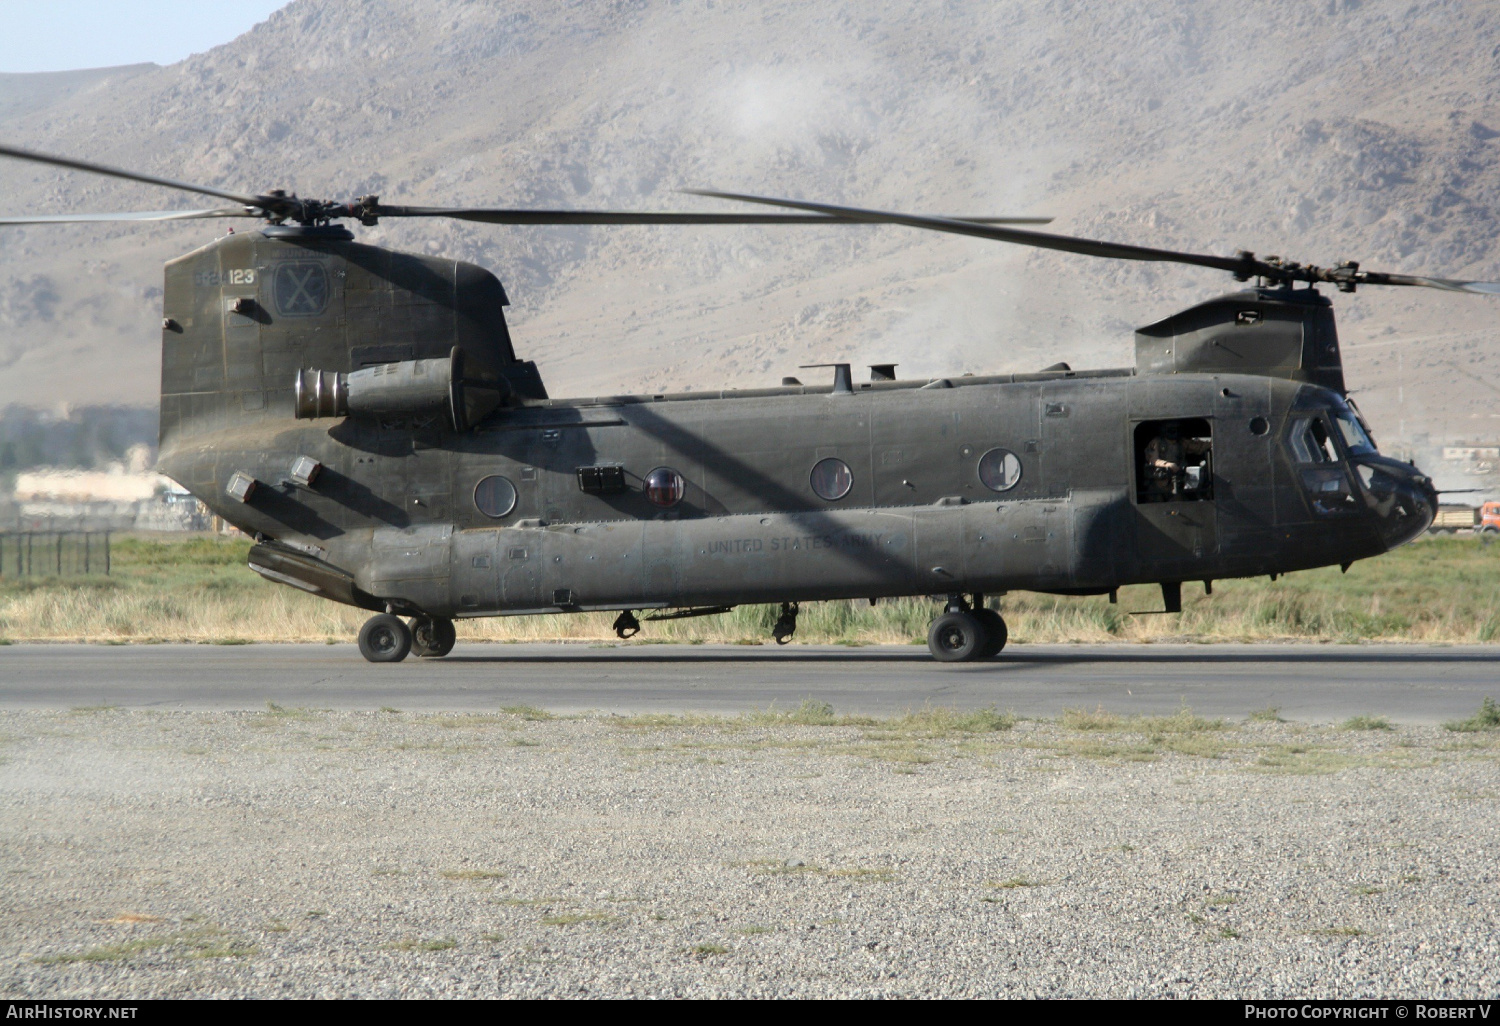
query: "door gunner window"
1174, 460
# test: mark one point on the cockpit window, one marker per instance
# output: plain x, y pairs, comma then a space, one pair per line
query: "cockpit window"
1356, 439
1311, 442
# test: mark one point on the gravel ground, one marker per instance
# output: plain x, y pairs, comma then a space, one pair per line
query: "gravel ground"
293, 853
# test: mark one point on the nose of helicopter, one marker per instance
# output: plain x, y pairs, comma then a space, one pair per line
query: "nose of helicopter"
1401, 497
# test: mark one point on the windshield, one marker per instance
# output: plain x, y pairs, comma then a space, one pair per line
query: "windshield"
1356, 439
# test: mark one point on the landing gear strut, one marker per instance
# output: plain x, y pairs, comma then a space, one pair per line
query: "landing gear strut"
626, 625
432, 637
962, 633
786, 624
384, 639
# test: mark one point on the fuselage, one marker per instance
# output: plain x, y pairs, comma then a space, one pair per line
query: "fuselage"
1067, 505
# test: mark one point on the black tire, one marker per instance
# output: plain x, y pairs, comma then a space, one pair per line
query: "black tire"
996, 634
955, 638
384, 639
432, 637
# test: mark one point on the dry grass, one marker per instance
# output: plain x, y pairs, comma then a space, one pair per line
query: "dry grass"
198, 589
205, 942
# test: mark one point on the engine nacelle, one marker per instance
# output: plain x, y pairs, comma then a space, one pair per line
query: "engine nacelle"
407, 389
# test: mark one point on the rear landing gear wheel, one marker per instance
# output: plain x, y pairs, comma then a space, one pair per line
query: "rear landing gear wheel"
955, 637
432, 637
384, 639
995, 631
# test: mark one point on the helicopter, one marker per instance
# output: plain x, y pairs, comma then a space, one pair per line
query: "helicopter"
362, 414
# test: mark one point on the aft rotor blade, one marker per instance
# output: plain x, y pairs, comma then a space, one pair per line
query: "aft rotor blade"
1043, 240
501, 215
130, 176
134, 215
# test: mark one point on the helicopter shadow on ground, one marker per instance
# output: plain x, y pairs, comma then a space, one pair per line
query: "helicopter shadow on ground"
1010, 660
633, 656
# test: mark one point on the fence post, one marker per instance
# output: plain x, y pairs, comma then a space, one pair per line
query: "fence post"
87, 538
59, 553
106, 553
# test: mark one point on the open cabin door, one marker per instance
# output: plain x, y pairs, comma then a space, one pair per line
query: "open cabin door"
1173, 491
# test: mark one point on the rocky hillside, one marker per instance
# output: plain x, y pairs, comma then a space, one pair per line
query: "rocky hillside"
1313, 130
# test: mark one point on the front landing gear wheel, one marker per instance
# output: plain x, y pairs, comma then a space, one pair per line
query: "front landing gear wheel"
384, 639
432, 637
955, 637
995, 631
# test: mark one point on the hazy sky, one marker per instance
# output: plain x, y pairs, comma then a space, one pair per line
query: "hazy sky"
60, 35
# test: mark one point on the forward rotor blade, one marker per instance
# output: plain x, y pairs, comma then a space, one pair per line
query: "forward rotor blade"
130, 176
135, 215
1483, 288
1243, 266
1043, 240
501, 215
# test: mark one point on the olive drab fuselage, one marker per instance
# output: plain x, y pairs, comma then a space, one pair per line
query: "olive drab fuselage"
522, 503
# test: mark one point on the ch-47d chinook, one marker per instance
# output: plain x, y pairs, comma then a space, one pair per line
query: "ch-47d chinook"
362, 413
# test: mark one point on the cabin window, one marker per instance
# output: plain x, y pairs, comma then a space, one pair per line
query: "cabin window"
495, 496
999, 470
1312, 442
665, 487
831, 479
1174, 460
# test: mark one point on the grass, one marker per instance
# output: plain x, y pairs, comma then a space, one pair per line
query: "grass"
574, 918
207, 942
1487, 718
471, 874
528, 712
928, 722
1367, 723
1110, 737
432, 944
1311, 760
1184, 721
707, 950
197, 588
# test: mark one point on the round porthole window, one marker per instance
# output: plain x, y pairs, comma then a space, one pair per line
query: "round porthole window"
831, 479
495, 496
664, 487
999, 470
1259, 425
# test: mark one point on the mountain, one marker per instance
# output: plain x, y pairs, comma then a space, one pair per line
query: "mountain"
1314, 130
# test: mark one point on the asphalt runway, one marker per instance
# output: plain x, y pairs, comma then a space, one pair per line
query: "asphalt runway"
1311, 683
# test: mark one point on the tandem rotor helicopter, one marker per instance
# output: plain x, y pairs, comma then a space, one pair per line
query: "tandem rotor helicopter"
362, 413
